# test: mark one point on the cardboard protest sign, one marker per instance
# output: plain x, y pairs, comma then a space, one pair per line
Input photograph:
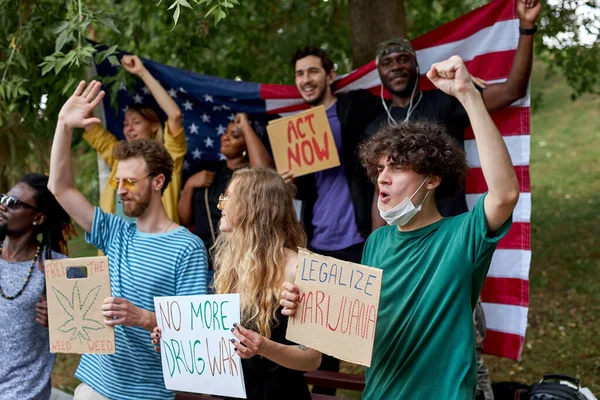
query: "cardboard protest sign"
196, 350
76, 289
303, 143
337, 309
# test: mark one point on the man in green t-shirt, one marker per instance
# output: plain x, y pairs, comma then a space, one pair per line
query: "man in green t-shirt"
433, 267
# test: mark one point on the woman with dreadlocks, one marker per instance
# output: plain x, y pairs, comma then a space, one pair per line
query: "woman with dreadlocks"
28, 211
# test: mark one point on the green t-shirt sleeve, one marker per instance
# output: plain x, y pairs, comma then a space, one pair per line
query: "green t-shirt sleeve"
479, 244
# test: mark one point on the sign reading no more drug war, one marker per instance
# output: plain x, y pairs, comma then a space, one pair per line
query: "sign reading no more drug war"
336, 313
75, 320
196, 350
303, 143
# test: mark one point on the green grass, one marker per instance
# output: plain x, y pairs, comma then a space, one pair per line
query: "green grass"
564, 330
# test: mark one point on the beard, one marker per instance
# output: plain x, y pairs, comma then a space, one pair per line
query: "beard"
321, 90
406, 92
138, 207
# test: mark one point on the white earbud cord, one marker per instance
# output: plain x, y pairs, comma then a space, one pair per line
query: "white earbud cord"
411, 108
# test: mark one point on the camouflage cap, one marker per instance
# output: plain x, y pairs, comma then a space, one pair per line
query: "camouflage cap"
394, 45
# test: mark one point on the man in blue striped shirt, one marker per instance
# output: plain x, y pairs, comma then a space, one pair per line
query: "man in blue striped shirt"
152, 256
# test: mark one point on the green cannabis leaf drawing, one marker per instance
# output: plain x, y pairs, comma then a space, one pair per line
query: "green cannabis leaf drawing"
77, 311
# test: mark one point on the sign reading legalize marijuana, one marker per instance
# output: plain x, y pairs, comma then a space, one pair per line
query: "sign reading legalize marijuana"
76, 289
337, 310
196, 350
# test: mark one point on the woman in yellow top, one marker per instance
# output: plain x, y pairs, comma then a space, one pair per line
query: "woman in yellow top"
143, 123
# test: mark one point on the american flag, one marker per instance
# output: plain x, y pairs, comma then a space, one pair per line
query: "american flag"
485, 38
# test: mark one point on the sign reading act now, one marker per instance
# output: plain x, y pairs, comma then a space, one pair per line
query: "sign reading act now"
303, 143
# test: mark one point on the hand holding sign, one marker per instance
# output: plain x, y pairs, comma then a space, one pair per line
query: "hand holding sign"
123, 312
250, 343
156, 334
41, 313
289, 299
287, 176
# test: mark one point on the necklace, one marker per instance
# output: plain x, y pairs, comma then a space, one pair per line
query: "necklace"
35, 258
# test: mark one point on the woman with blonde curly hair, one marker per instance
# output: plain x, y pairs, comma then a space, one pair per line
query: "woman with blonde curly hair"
255, 253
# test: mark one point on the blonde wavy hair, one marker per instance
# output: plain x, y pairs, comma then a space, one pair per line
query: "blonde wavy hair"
250, 259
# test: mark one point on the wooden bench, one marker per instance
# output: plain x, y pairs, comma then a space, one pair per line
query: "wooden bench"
320, 378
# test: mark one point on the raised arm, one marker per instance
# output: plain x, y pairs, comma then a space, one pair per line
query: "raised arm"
257, 152
134, 65
499, 95
73, 114
452, 77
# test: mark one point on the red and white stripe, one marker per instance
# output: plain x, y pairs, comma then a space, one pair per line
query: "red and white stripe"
486, 39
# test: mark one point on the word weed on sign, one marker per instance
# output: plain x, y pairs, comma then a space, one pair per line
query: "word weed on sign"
303, 143
337, 309
196, 350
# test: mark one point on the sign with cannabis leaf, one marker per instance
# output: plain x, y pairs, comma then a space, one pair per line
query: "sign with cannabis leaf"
76, 290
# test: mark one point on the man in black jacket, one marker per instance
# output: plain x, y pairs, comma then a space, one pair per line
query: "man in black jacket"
336, 209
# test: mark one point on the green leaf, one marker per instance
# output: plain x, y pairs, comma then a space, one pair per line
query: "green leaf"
176, 15
68, 88
91, 296
63, 300
111, 49
22, 92
61, 27
48, 67
21, 60
212, 9
109, 23
113, 60
61, 40
185, 3
60, 64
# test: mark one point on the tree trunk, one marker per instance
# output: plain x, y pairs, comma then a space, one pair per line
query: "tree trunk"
372, 22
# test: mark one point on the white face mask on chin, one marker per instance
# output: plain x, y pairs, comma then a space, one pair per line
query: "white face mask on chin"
404, 211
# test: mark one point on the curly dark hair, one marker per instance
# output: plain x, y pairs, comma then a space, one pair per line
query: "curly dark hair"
157, 158
313, 51
424, 147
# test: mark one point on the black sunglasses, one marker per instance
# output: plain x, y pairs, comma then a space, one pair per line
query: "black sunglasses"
14, 203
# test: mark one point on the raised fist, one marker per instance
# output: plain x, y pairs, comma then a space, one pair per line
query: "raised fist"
133, 64
451, 76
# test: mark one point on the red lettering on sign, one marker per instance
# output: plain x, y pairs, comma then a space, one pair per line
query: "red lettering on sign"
97, 346
309, 118
60, 346
292, 129
324, 152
